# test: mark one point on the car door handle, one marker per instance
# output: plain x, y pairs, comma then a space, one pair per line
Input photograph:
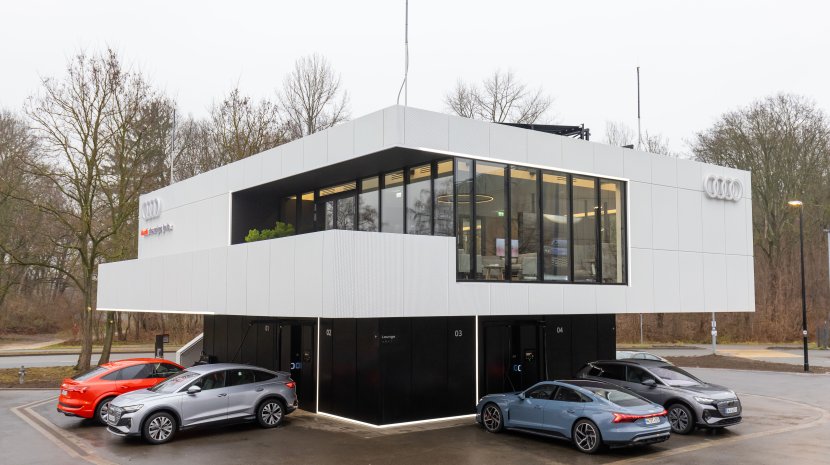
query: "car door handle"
260, 389
222, 395
538, 407
570, 410
125, 387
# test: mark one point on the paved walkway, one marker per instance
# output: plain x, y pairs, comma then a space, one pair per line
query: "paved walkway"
766, 353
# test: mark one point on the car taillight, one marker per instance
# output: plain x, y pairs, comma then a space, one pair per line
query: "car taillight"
81, 389
291, 385
626, 418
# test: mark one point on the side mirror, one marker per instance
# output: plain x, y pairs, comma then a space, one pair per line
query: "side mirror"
522, 396
649, 382
194, 390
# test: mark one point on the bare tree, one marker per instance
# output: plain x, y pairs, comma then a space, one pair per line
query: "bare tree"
619, 134
312, 98
502, 98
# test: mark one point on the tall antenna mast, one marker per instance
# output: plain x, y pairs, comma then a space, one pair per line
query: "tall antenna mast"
639, 128
405, 85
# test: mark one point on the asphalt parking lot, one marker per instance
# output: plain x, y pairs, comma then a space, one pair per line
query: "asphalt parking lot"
786, 419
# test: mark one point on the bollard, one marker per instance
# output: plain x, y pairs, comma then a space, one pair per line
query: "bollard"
22, 374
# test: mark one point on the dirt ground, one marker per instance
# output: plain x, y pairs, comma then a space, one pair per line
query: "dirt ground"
738, 363
47, 377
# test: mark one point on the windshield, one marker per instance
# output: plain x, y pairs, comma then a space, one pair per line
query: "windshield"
674, 376
89, 374
173, 383
615, 396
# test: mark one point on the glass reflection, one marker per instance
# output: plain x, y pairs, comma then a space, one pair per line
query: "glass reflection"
464, 234
443, 199
369, 203
419, 201
490, 212
524, 230
611, 235
585, 228
555, 231
391, 203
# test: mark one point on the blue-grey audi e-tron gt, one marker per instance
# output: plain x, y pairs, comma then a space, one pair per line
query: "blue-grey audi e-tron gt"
588, 413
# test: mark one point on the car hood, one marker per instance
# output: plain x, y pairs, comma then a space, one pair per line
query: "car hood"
713, 391
138, 397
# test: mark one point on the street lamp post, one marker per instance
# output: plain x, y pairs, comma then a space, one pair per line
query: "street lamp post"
800, 205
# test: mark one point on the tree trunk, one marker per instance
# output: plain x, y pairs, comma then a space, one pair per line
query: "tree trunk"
119, 327
85, 357
108, 332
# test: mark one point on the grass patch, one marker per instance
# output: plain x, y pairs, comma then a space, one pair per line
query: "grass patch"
42, 377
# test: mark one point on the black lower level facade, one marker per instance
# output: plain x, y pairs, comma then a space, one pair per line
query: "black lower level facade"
393, 370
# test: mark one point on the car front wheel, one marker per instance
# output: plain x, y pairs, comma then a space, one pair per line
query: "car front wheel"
586, 436
681, 418
159, 428
270, 413
492, 419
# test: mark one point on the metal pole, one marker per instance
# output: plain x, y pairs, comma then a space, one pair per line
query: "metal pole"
641, 329
714, 335
803, 288
405, 84
639, 133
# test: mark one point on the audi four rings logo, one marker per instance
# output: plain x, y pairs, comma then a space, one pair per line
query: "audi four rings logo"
151, 209
721, 187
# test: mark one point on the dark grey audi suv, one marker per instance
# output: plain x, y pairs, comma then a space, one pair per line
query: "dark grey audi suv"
689, 401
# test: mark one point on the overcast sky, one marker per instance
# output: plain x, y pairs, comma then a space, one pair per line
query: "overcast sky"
698, 59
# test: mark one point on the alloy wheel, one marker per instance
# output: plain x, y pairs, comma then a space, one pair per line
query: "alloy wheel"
160, 428
104, 410
271, 413
492, 418
679, 419
586, 436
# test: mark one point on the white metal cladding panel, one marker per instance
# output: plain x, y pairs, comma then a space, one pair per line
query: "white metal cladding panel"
201, 278
470, 299
712, 221
198, 225
315, 151
282, 277
580, 299
608, 160
750, 273
577, 155
378, 273
469, 136
664, 217
689, 220
252, 168
109, 284
666, 281
292, 158
218, 280
237, 269
426, 129
542, 148
184, 282
257, 280
715, 282
750, 242
735, 219
640, 213
341, 142
308, 283
393, 127
272, 163
737, 283
236, 175
546, 299
637, 165
136, 284
509, 143
664, 170
368, 133
155, 285
689, 175
691, 279
612, 299
425, 276
641, 282
338, 275
509, 299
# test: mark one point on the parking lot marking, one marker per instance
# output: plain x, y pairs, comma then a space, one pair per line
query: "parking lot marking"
74, 446
824, 417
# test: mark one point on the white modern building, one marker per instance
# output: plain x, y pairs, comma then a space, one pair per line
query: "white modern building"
435, 254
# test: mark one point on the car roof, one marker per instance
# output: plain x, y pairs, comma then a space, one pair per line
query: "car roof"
211, 367
135, 361
585, 383
635, 361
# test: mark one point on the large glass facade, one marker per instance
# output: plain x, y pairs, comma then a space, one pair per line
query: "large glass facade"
391, 203
511, 223
419, 201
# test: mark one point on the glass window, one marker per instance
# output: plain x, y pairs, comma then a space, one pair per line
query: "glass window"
491, 204
338, 206
369, 204
89, 374
618, 396
555, 232
163, 370
564, 394
288, 210
637, 375
306, 219
113, 376
542, 392
463, 221
239, 377
210, 381
612, 371
443, 210
612, 231
585, 228
134, 372
524, 220
345, 213
419, 201
391, 203
263, 376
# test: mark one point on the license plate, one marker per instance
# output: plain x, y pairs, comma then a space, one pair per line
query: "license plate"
652, 420
64, 392
731, 410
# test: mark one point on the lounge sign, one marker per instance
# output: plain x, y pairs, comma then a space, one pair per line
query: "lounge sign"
723, 188
157, 230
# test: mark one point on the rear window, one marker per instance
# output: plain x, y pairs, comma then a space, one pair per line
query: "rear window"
90, 374
263, 376
618, 397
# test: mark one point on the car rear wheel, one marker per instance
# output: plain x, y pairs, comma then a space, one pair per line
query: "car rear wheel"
159, 428
270, 413
492, 419
681, 418
586, 436
102, 409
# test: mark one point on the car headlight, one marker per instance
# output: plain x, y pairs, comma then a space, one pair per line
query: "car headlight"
705, 400
132, 408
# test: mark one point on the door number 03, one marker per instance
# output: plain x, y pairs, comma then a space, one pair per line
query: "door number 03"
458, 333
